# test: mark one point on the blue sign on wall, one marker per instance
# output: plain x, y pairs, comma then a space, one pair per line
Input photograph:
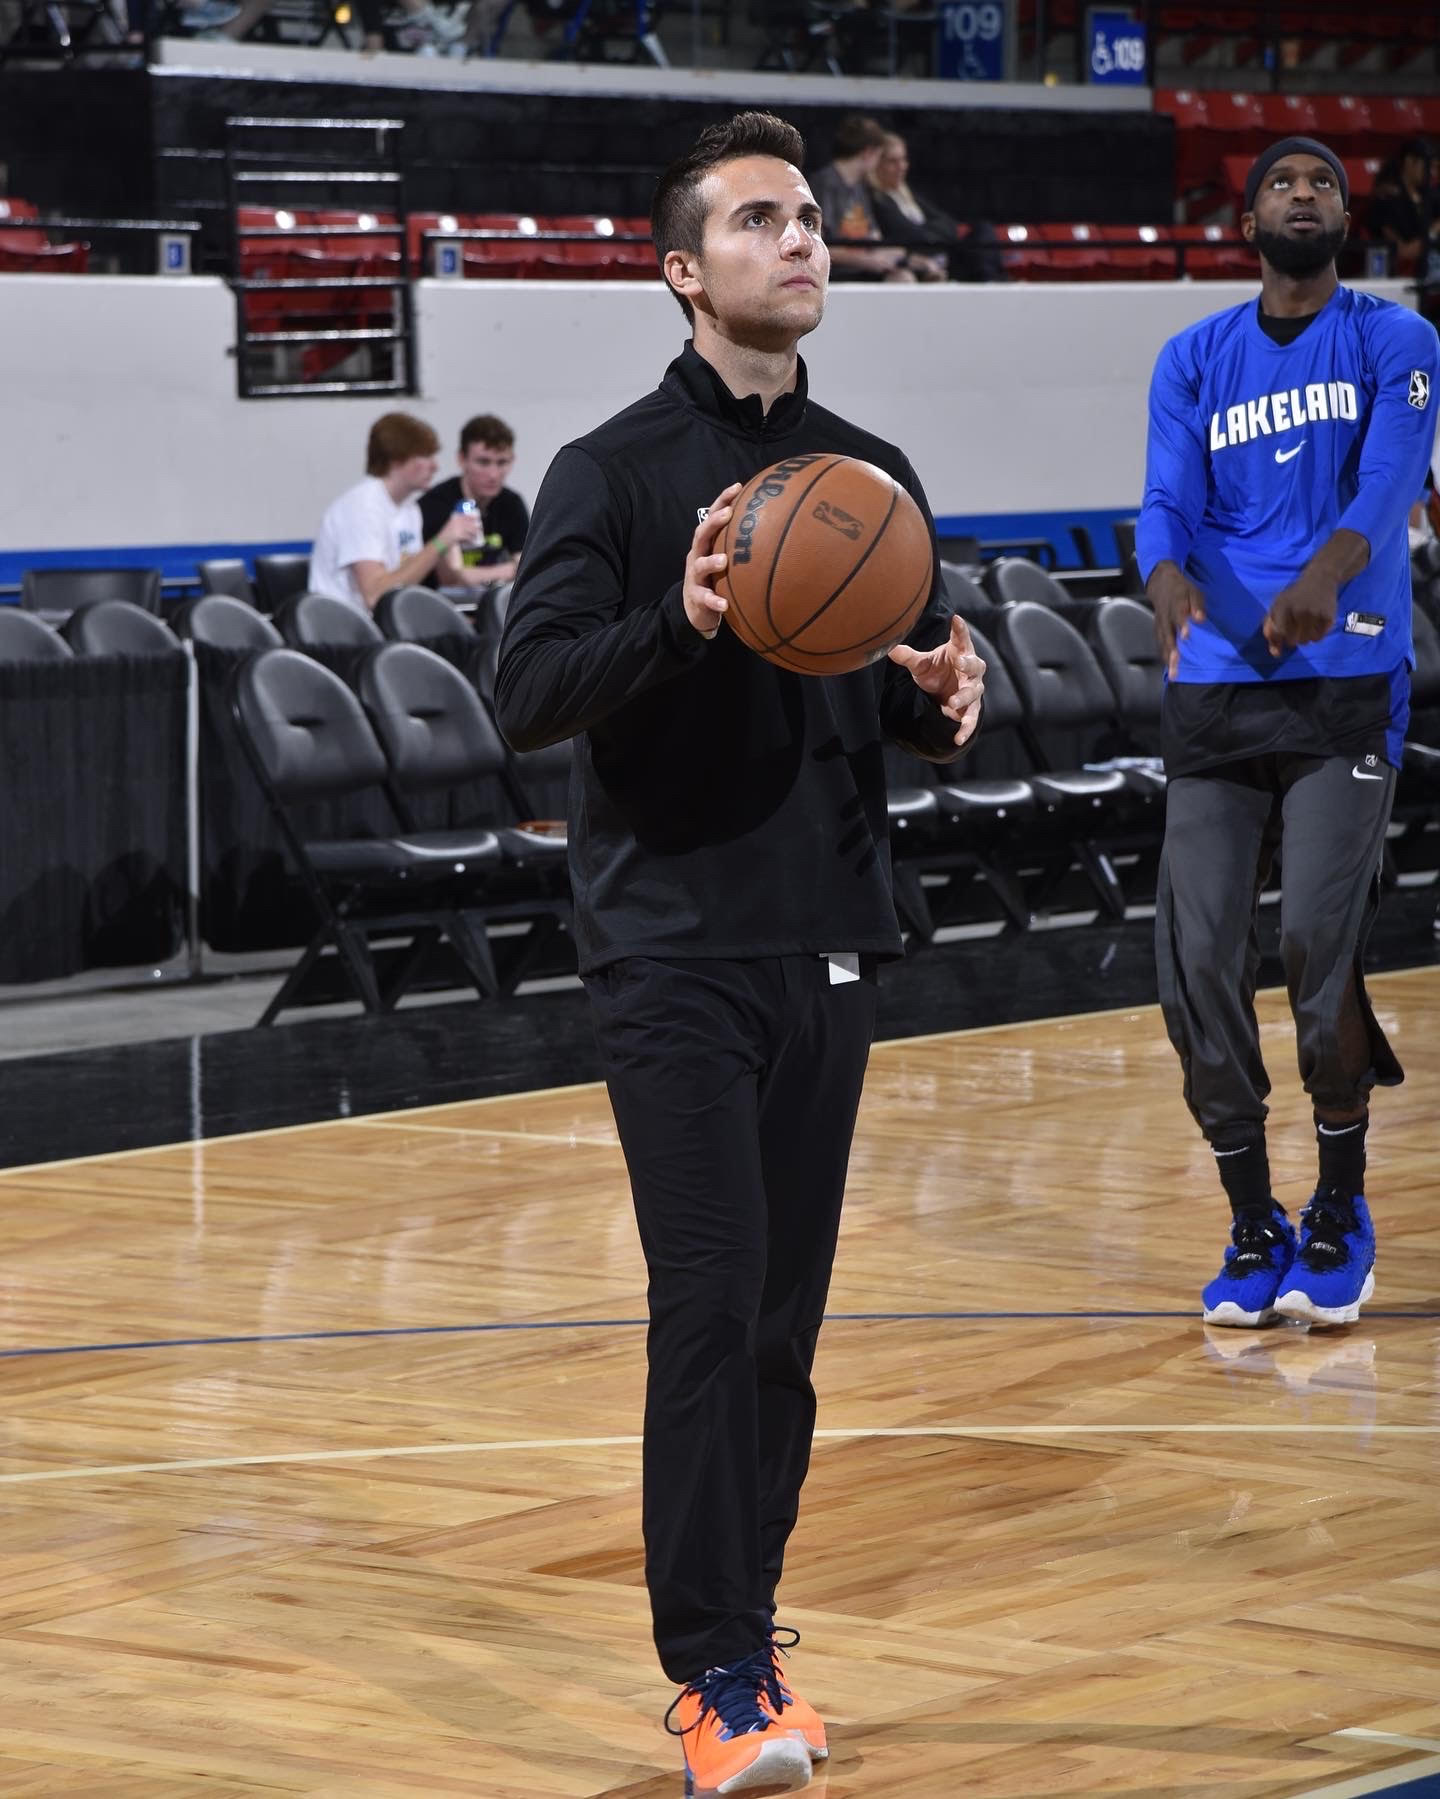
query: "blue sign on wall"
1116, 44
972, 40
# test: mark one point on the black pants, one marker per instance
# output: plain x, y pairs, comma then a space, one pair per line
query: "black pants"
1326, 816
735, 1087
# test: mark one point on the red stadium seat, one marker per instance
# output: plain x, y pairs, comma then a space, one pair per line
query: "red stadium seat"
416, 225
44, 259
1236, 169
1022, 253
1187, 106
1208, 257
1289, 115
1149, 260
20, 237
1241, 118
1078, 254
27, 250
1397, 116
1340, 117
515, 257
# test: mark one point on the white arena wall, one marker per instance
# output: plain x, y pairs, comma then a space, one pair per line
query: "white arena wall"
1022, 407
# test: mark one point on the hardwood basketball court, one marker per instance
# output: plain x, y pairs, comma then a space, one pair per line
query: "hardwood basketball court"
321, 1470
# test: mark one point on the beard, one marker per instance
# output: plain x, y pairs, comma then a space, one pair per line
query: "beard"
1299, 255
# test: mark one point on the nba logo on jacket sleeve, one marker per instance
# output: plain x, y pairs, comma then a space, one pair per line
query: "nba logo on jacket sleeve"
1419, 395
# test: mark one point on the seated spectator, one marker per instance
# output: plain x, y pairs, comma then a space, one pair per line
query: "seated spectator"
1403, 208
905, 217
487, 455
372, 539
842, 192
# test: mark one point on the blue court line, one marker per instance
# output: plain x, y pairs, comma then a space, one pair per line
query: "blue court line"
581, 1324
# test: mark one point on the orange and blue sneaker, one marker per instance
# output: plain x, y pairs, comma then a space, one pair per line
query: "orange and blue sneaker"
728, 1723
793, 1713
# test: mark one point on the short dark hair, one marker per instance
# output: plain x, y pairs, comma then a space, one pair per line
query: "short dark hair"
394, 438
856, 132
486, 429
677, 213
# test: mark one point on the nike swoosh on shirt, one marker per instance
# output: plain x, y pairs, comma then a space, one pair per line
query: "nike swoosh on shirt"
1285, 455
1358, 774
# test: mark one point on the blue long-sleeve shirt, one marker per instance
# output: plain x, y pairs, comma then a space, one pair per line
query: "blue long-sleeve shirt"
1259, 452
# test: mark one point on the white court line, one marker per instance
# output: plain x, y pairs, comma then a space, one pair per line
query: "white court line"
534, 1445
1390, 1736
891, 1045
399, 1122
1384, 1782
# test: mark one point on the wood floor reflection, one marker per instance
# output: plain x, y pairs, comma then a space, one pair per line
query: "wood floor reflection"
1058, 1539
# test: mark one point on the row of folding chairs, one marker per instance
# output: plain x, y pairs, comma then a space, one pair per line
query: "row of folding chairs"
278, 576
1051, 816
1072, 738
411, 725
106, 628
116, 627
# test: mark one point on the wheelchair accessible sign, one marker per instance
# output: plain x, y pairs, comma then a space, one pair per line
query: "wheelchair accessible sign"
971, 40
1116, 43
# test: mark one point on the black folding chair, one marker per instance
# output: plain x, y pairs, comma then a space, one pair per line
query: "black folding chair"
116, 628
279, 577
25, 638
954, 821
437, 734
67, 589
307, 739
1063, 691
318, 621
410, 614
1122, 634
227, 575
223, 623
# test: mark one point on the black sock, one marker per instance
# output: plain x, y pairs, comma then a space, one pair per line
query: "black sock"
1244, 1168
1342, 1155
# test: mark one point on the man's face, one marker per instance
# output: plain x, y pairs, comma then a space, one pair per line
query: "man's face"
416, 473
764, 267
484, 469
1299, 221
893, 166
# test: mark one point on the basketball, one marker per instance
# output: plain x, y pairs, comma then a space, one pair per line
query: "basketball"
829, 564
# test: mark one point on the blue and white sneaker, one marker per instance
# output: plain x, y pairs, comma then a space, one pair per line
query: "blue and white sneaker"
1256, 1263
1333, 1272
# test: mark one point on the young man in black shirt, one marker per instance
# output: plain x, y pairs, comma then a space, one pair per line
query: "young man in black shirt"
487, 455
730, 867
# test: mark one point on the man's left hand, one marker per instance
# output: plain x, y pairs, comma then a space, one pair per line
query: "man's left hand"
952, 673
1303, 613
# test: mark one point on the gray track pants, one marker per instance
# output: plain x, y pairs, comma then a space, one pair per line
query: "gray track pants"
1326, 816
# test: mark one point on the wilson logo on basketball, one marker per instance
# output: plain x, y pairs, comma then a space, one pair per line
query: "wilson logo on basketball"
844, 522
770, 488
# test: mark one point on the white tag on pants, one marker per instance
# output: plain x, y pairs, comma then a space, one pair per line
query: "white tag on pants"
844, 966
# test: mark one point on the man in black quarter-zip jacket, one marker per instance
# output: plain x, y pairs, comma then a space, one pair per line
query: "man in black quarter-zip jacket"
731, 875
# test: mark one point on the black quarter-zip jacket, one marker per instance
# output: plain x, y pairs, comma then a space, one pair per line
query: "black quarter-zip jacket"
719, 806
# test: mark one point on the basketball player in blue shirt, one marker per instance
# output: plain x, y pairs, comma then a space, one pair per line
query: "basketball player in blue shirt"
1288, 440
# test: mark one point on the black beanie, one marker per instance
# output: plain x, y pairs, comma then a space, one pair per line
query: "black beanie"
1290, 146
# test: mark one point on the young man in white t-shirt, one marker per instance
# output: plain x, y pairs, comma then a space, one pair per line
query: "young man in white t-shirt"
371, 538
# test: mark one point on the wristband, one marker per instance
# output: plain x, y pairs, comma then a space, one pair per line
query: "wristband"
439, 545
